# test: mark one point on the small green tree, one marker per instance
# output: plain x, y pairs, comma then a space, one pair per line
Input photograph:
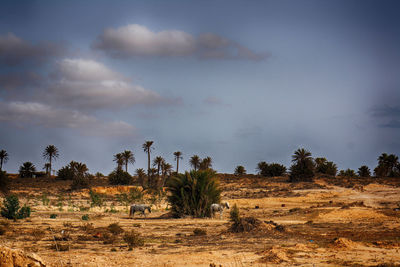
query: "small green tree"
364, 171
325, 167
193, 193
347, 173
240, 170
119, 177
12, 210
27, 170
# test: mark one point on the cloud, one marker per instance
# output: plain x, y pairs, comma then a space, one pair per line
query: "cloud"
15, 51
88, 84
212, 101
20, 80
137, 40
37, 114
390, 115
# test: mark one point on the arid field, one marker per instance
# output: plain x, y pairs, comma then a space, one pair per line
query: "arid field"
331, 222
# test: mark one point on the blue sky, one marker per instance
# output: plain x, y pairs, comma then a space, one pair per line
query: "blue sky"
240, 81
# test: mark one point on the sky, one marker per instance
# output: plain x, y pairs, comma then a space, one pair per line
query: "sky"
239, 81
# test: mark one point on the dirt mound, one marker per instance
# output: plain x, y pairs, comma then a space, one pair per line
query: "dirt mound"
344, 243
251, 224
274, 255
352, 214
15, 257
302, 247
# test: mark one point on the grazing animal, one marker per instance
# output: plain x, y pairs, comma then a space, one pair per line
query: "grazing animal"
219, 207
139, 207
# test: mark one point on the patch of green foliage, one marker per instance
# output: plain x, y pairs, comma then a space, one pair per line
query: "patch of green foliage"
120, 177
12, 210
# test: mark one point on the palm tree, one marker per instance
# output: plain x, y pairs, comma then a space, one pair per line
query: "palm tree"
140, 173
178, 155
240, 170
206, 163
27, 169
47, 168
128, 157
166, 170
119, 159
158, 161
195, 162
261, 167
364, 171
386, 165
50, 153
147, 148
301, 155
3, 158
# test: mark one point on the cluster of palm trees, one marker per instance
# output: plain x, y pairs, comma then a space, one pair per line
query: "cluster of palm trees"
200, 164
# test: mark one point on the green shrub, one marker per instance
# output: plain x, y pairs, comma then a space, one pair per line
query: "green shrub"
240, 170
53, 216
77, 172
271, 170
85, 217
65, 173
347, 173
96, 199
133, 239
27, 170
119, 177
364, 171
325, 167
234, 214
193, 193
12, 210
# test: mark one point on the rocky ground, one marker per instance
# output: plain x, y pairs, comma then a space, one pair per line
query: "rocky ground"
332, 222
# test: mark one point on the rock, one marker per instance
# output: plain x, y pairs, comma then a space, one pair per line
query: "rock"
14, 257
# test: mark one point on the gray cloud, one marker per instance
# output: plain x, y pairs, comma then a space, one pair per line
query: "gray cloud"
137, 40
37, 114
20, 80
389, 116
212, 101
16, 51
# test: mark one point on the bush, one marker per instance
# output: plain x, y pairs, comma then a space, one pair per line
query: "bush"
133, 239
302, 172
4, 181
53, 216
115, 229
85, 217
364, 171
271, 170
192, 193
240, 170
11, 209
119, 177
325, 167
347, 173
96, 199
234, 214
65, 173
242, 224
199, 232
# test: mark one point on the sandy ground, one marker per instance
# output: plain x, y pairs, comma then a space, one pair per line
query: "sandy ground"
323, 225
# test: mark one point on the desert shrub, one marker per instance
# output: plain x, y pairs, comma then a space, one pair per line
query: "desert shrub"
27, 169
45, 199
53, 216
65, 173
4, 181
96, 199
193, 192
199, 232
12, 210
134, 195
85, 217
109, 239
325, 167
133, 239
347, 173
364, 171
115, 229
240, 170
234, 214
119, 177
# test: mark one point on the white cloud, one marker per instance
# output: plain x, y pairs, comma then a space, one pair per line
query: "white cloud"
87, 84
37, 114
137, 40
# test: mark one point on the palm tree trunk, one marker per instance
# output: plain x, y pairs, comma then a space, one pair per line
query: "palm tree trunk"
50, 166
148, 169
177, 165
1, 165
126, 166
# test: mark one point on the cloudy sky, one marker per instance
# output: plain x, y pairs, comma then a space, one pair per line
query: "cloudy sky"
240, 81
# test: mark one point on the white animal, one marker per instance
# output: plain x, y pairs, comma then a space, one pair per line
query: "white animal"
139, 207
219, 207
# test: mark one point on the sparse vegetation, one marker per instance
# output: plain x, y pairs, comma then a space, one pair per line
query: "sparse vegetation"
347, 173
53, 216
85, 217
133, 239
119, 177
96, 199
192, 193
115, 228
12, 210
